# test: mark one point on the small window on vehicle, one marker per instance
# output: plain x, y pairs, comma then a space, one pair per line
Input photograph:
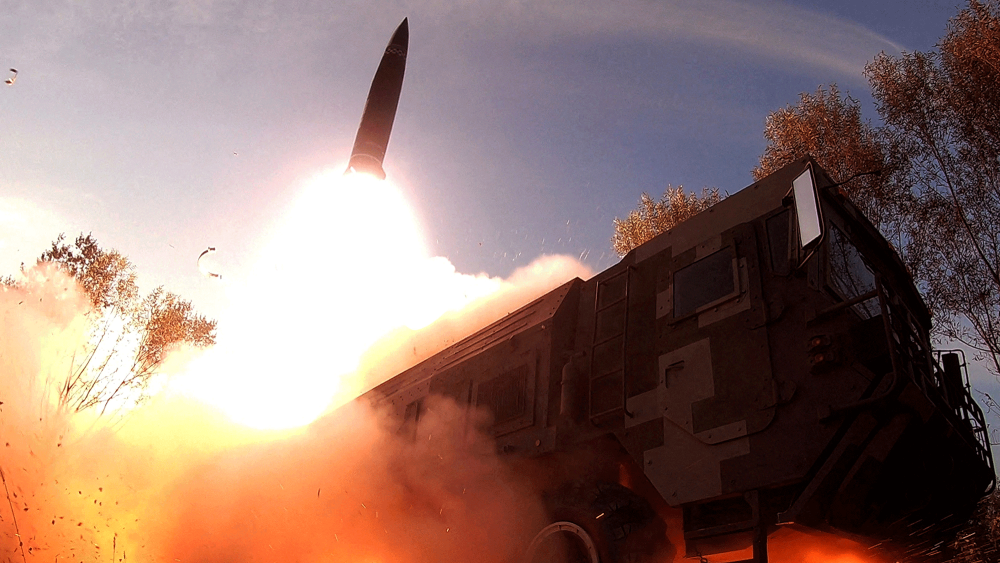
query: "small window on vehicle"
710, 279
777, 242
849, 275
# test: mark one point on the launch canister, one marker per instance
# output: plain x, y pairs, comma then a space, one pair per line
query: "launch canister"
380, 108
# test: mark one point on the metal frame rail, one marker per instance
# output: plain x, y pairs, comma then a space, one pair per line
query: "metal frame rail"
913, 356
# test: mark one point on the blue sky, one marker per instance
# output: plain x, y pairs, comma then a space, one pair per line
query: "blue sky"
514, 119
524, 127
519, 122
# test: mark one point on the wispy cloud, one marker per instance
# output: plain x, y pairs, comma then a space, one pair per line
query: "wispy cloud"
778, 31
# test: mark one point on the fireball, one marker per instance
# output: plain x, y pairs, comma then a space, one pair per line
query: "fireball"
345, 266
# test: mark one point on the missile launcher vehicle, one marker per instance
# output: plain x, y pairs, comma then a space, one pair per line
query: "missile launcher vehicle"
765, 363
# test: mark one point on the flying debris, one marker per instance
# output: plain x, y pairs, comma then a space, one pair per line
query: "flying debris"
13, 77
203, 268
380, 108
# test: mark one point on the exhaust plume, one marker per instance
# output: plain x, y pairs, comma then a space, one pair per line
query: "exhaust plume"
179, 481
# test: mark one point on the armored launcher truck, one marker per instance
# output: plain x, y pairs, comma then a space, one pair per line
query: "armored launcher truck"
765, 363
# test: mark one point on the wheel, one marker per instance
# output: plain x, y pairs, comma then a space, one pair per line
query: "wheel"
599, 523
562, 542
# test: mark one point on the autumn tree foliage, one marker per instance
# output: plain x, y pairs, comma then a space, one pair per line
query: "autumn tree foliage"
653, 217
829, 127
129, 334
938, 196
943, 109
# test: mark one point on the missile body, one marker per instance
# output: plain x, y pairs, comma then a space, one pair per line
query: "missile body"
380, 108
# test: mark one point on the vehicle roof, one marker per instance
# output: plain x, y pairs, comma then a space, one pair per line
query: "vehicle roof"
749, 203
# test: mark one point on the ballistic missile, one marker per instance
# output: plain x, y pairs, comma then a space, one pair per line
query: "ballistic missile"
380, 108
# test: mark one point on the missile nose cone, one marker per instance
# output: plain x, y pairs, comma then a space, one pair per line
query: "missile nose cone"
401, 37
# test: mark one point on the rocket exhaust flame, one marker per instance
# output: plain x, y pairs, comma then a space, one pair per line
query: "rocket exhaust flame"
177, 481
180, 481
344, 269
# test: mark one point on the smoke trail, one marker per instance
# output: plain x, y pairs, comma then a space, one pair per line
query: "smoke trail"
350, 489
405, 347
180, 482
